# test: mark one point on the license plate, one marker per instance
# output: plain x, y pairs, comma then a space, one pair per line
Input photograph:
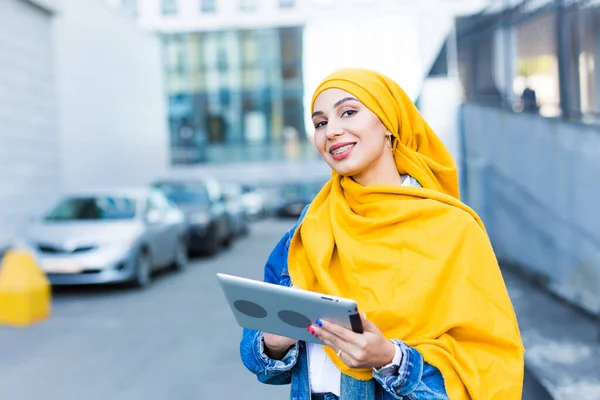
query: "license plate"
61, 267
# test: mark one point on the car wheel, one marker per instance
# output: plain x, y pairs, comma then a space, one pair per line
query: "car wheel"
245, 228
229, 236
180, 259
213, 243
143, 271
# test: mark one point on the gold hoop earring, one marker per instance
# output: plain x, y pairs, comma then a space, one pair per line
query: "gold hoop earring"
389, 144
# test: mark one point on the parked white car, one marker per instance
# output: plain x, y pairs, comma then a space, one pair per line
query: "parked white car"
108, 236
254, 202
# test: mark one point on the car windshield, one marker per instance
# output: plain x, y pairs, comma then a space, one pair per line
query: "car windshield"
93, 208
184, 193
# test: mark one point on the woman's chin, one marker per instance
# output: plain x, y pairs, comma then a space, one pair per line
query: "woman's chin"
346, 170
345, 167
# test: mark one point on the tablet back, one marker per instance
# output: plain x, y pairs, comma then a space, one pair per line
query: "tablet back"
285, 311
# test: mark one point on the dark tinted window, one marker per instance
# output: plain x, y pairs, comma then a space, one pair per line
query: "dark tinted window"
93, 208
184, 192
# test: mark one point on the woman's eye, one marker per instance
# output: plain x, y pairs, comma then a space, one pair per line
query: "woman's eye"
320, 124
349, 112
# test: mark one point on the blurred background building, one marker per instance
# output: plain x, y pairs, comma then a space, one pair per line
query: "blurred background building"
531, 91
239, 73
540, 57
29, 154
78, 107
233, 75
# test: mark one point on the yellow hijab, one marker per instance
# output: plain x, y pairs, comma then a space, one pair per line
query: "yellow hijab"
416, 260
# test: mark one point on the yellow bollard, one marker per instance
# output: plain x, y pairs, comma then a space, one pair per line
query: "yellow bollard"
24, 290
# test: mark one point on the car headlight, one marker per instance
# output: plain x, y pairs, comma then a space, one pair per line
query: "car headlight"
199, 219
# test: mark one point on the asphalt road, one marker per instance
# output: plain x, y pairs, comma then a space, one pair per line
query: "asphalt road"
176, 340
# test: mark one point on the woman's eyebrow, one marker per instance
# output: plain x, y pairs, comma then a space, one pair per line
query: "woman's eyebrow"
337, 104
342, 101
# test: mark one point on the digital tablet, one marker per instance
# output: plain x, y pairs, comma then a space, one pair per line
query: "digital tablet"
285, 311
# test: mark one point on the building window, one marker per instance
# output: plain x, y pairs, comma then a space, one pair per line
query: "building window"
130, 7
247, 5
243, 87
176, 62
290, 40
208, 6
537, 80
169, 7
249, 48
287, 3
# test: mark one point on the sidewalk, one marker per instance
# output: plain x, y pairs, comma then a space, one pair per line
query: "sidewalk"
562, 343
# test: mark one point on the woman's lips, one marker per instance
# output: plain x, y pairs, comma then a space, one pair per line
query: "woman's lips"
341, 152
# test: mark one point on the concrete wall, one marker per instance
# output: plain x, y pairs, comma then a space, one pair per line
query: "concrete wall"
111, 100
439, 103
29, 159
534, 182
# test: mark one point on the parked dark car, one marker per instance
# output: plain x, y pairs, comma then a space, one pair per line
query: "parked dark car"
205, 210
293, 197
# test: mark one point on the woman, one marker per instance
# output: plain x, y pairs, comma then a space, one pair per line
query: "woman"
389, 231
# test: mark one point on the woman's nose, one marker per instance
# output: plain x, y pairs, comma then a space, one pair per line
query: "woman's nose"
333, 131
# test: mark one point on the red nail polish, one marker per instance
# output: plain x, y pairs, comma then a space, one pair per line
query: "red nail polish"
311, 330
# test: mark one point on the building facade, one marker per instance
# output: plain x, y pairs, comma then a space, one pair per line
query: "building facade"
233, 94
112, 112
531, 85
75, 80
233, 77
30, 161
540, 57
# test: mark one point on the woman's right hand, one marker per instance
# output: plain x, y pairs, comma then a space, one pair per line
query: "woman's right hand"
276, 347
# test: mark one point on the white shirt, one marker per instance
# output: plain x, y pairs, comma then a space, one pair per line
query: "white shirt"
324, 376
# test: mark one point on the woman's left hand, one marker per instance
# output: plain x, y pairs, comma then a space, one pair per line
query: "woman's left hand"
367, 350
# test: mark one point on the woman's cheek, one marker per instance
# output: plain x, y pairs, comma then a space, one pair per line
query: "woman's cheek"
319, 143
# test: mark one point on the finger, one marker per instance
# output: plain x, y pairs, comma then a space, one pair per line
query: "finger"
346, 358
349, 349
368, 326
328, 338
344, 354
341, 332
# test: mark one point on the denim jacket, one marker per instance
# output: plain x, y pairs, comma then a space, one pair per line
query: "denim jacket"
415, 379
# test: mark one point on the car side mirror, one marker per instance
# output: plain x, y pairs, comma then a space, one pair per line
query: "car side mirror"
154, 217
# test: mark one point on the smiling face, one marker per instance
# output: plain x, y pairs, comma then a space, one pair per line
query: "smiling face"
352, 139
